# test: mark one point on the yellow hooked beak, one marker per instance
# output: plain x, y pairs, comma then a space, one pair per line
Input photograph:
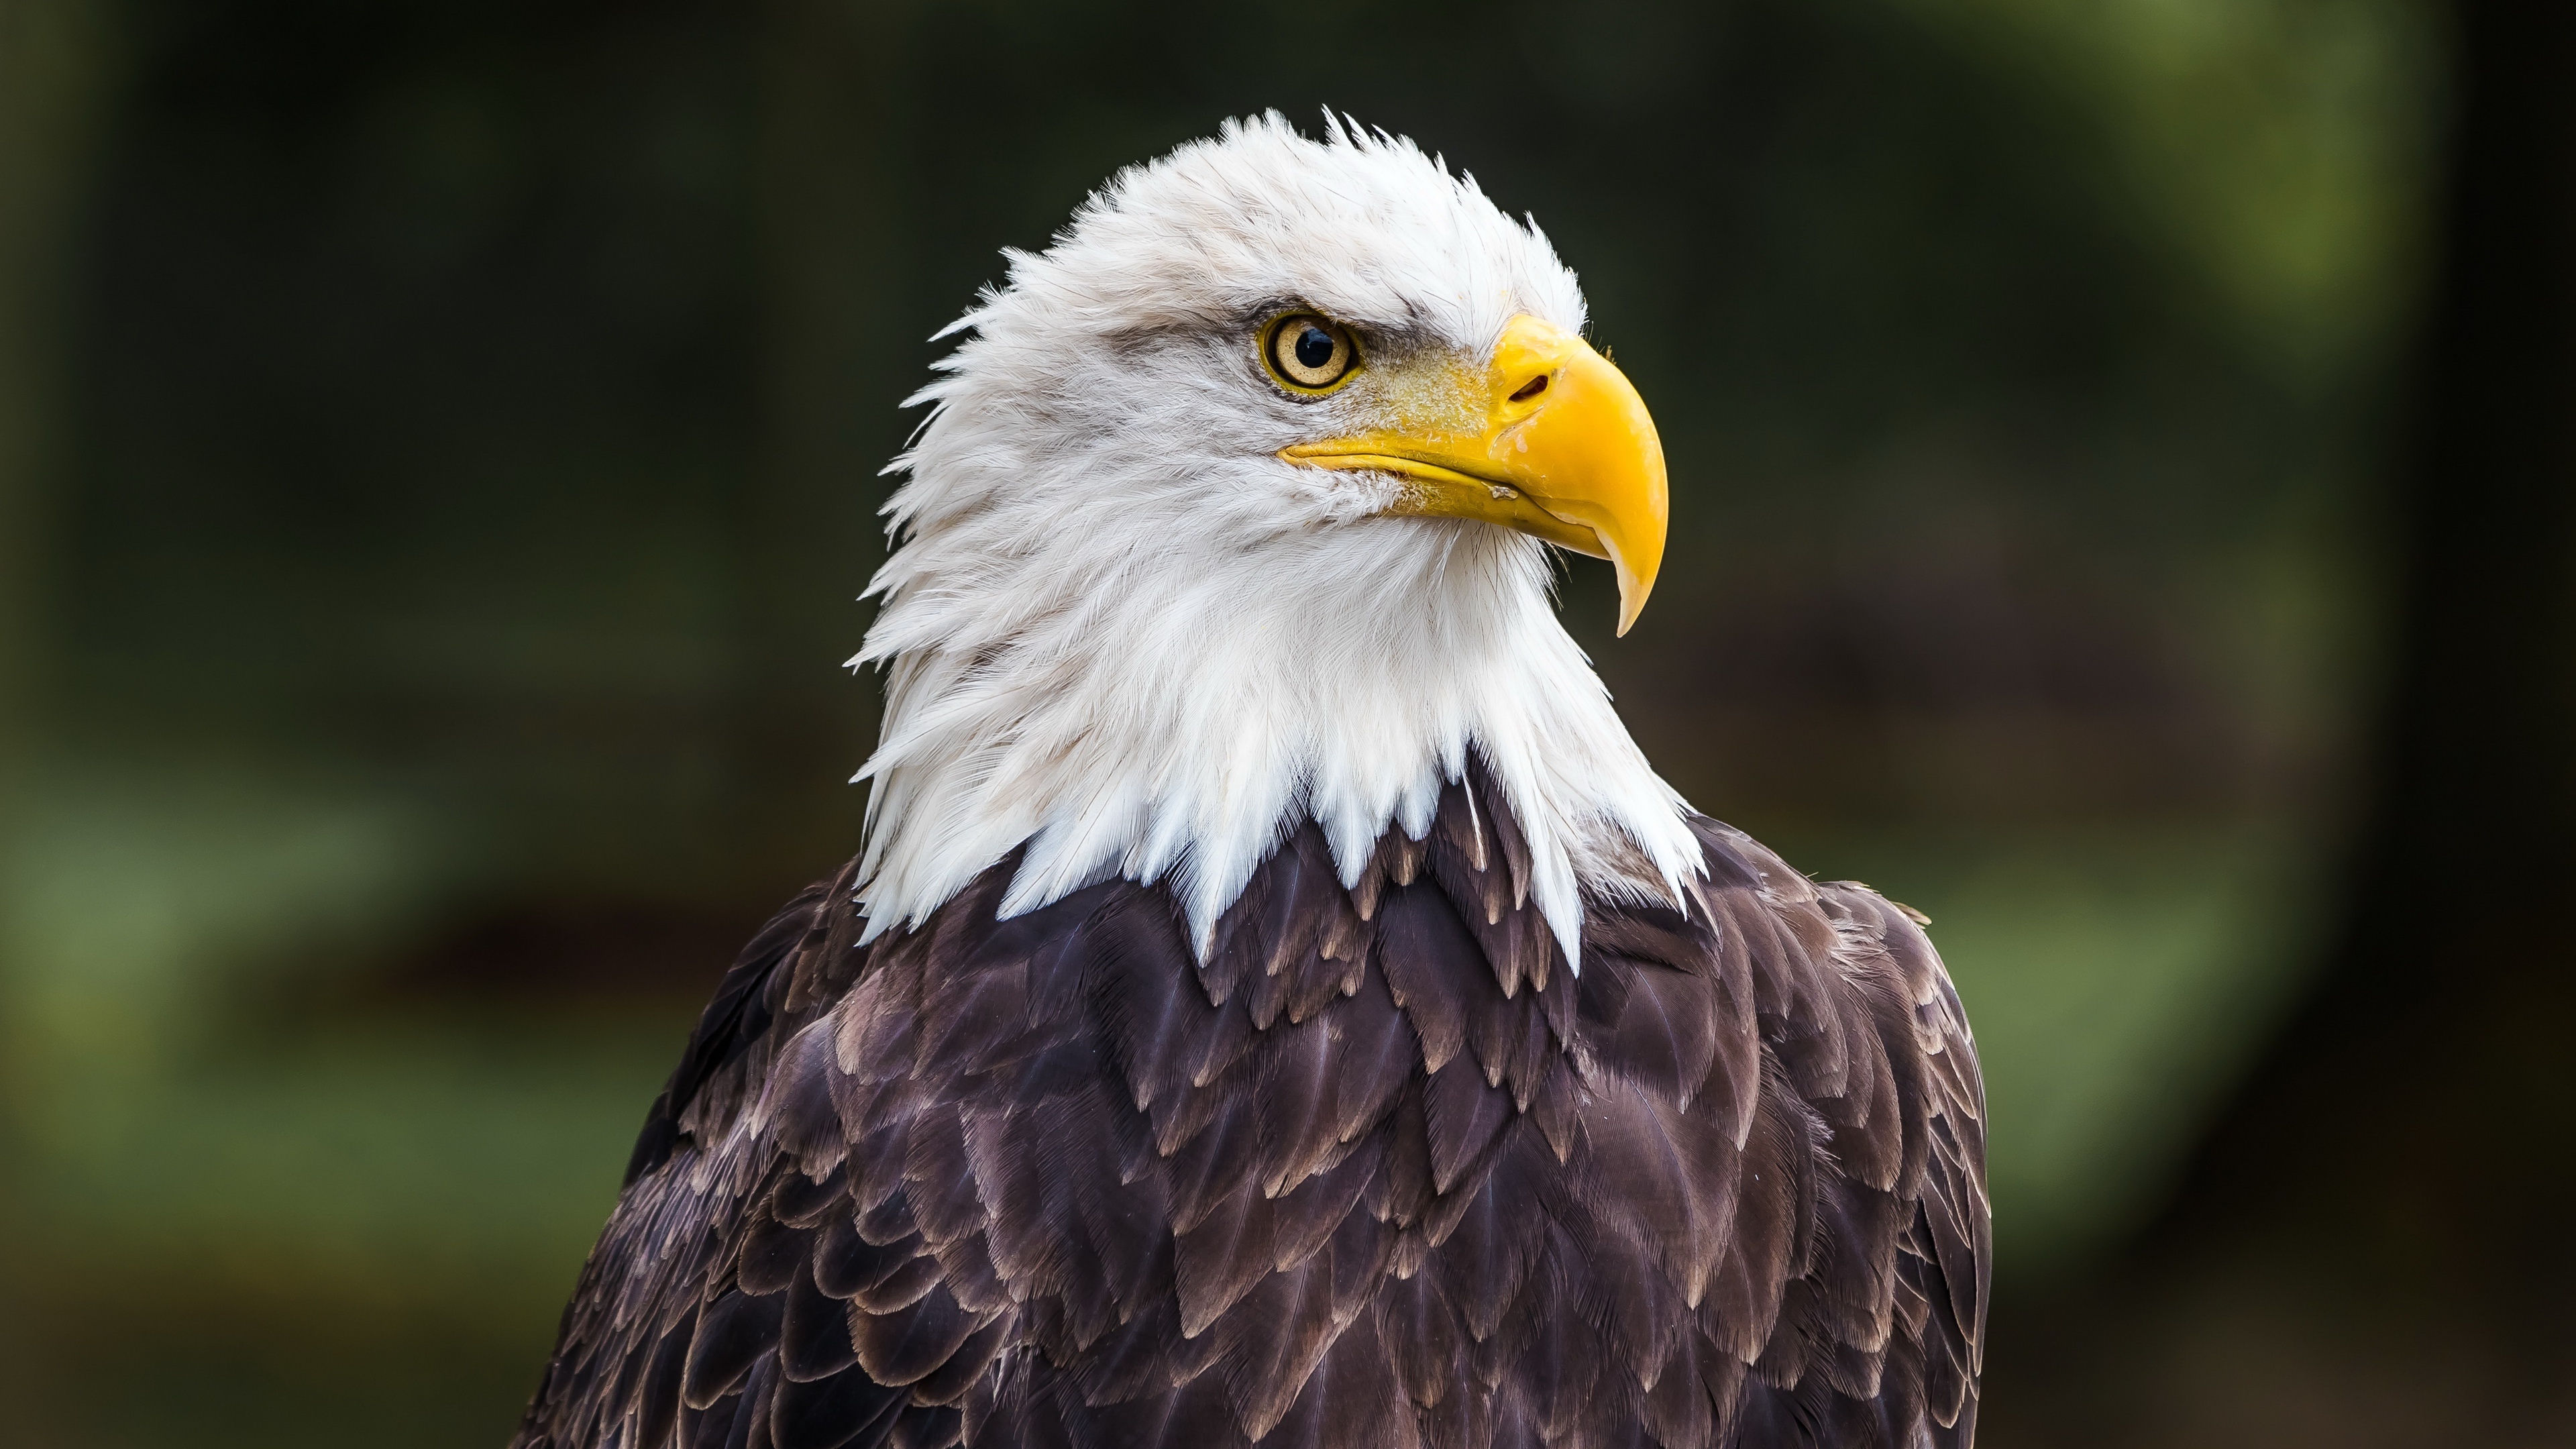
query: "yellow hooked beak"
1566, 452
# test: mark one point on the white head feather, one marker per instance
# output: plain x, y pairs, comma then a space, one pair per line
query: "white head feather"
1124, 633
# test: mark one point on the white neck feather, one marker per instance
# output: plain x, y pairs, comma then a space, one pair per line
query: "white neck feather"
1168, 720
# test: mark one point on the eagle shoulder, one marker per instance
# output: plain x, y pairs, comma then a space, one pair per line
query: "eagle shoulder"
1882, 1315
1382, 1170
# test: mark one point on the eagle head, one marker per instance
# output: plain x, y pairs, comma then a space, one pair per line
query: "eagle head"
1231, 513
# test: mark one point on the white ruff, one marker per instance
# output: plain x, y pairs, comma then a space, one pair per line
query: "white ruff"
1123, 632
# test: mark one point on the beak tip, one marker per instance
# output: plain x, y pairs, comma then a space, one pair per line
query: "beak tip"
1633, 586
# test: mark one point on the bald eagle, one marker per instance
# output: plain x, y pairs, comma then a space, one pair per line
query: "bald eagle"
1276, 1003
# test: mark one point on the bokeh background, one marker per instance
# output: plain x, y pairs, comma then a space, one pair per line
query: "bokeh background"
2121, 456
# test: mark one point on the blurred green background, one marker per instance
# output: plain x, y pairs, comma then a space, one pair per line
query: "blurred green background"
437, 463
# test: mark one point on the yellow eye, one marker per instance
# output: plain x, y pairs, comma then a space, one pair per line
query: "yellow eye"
1310, 353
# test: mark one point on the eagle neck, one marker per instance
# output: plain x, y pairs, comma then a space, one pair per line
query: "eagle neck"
1175, 719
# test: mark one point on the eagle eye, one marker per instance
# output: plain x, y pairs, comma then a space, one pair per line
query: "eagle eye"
1309, 353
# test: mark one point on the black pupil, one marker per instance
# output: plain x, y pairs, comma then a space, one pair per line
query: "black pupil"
1314, 348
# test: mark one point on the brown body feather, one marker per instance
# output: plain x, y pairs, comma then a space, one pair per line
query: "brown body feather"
1382, 1174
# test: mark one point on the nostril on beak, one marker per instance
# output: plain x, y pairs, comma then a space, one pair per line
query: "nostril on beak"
1531, 388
